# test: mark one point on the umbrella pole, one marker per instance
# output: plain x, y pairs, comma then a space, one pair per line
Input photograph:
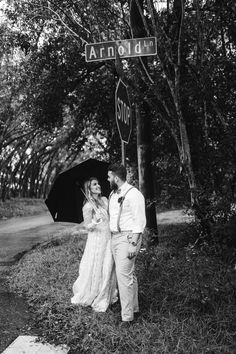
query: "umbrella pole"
90, 201
95, 208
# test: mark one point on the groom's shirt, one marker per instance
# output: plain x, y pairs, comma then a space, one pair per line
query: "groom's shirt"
133, 217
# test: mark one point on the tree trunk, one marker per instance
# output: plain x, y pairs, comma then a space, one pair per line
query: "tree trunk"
144, 130
144, 152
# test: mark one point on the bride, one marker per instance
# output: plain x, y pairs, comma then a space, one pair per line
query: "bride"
96, 283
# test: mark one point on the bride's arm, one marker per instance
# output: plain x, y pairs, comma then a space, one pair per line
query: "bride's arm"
88, 217
105, 202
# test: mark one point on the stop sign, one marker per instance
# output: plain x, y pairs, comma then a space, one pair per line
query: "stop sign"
123, 111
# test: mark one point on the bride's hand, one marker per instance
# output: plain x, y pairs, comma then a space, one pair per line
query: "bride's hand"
91, 226
98, 215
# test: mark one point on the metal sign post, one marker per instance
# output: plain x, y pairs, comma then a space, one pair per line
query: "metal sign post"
124, 48
123, 153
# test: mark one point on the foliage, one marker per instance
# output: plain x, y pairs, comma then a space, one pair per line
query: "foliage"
186, 299
21, 207
52, 105
186, 92
215, 227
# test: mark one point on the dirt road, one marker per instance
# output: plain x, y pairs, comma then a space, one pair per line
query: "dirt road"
20, 234
174, 217
24, 222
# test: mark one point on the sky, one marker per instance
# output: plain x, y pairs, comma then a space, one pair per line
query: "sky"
2, 8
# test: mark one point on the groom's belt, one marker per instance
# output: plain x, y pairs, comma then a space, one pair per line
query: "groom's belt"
120, 232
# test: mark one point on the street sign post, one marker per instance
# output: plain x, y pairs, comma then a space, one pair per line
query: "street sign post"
125, 48
123, 115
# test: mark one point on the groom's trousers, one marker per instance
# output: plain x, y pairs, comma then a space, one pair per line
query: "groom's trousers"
125, 272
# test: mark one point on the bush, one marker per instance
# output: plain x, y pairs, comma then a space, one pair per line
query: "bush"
21, 207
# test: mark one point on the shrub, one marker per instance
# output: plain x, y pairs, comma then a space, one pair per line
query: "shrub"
21, 207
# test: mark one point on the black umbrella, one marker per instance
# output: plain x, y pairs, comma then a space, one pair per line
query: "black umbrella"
65, 199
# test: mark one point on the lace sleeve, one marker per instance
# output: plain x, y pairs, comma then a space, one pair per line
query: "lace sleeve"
87, 214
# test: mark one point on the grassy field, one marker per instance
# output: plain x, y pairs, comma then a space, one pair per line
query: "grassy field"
21, 207
187, 300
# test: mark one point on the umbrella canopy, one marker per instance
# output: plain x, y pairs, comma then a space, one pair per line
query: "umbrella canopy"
65, 199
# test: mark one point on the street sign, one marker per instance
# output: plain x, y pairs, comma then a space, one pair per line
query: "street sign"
125, 48
123, 111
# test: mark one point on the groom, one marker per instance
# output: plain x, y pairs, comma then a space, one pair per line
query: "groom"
127, 222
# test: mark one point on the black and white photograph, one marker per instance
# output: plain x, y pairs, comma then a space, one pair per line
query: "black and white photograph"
117, 176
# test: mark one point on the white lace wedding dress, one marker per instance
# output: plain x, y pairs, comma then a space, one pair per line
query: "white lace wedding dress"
96, 284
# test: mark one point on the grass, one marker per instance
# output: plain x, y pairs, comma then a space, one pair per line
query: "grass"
21, 207
187, 300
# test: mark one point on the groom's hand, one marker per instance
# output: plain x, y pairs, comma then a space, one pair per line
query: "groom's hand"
132, 251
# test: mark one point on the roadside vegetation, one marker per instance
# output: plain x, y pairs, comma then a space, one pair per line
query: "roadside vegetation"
57, 109
187, 298
21, 207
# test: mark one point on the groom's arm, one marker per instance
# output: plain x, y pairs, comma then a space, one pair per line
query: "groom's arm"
137, 204
139, 221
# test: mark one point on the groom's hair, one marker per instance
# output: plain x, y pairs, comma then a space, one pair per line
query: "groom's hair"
119, 171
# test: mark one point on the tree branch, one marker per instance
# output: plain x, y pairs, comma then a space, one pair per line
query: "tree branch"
143, 17
62, 21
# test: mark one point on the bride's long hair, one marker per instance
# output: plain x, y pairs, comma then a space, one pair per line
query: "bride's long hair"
87, 190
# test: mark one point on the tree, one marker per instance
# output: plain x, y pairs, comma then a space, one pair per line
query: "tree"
144, 129
180, 93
